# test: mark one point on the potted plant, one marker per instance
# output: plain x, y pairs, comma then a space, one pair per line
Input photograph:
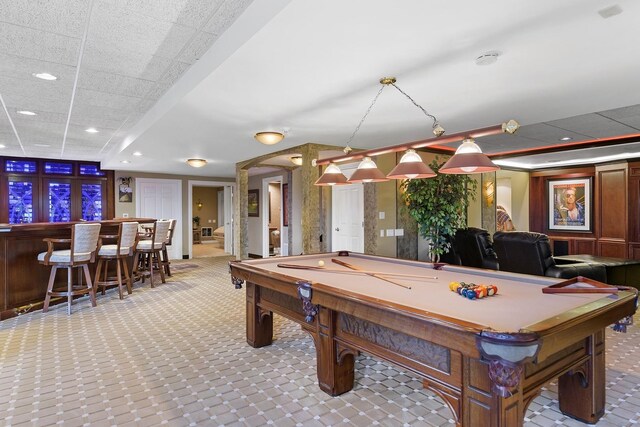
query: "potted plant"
196, 221
439, 206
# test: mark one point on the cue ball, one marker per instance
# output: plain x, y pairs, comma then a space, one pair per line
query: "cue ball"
320, 263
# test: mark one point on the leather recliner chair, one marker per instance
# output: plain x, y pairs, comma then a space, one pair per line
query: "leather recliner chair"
530, 253
475, 249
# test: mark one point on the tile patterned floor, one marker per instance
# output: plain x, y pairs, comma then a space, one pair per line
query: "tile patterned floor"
176, 355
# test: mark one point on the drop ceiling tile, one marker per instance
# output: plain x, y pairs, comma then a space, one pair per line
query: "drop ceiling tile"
226, 15
36, 95
87, 97
175, 70
191, 13
158, 90
23, 68
28, 43
549, 134
197, 47
594, 125
84, 113
95, 121
113, 83
110, 59
620, 114
42, 117
66, 17
145, 105
133, 32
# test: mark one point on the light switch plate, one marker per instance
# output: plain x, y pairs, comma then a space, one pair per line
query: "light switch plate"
390, 232
380, 215
399, 231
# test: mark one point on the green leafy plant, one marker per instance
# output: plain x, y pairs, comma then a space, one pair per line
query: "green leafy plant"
196, 220
439, 206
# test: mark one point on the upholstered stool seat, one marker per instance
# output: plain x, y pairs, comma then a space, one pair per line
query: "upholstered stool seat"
125, 246
83, 247
148, 252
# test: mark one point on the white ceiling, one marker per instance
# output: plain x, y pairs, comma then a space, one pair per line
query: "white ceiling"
176, 79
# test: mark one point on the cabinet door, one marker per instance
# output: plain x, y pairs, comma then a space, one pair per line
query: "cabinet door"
92, 200
57, 200
22, 201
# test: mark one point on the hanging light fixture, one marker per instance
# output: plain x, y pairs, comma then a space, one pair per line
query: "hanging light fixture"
296, 160
411, 166
196, 163
332, 176
269, 138
199, 204
367, 172
468, 159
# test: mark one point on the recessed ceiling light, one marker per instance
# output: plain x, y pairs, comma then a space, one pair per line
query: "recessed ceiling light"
137, 153
610, 11
92, 130
42, 145
125, 161
3, 146
26, 113
45, 76
566, 138
487, 58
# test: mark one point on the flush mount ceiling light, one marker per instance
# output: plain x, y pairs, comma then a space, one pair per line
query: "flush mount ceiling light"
137, 153
45, 76
3, 146
269, 138
196, 163
296, 160
125, 161
92, 130
26, 113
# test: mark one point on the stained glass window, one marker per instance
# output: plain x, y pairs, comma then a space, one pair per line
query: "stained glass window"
20, 166
59, 202
92, 202
55, 168
20, 202
92, 170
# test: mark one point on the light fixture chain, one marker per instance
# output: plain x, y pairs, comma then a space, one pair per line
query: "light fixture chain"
435, 121
347, 149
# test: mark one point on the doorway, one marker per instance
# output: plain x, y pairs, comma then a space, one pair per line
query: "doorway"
273, 233
210, 209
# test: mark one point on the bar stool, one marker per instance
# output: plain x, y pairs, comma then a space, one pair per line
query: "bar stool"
82, 251
147, 254
124, 247
166, 263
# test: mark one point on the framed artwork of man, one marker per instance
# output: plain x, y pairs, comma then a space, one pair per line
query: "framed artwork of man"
570, 204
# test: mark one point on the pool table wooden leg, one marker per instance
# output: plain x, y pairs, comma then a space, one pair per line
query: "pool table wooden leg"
335, 368
581, 391
259, 322
481, 405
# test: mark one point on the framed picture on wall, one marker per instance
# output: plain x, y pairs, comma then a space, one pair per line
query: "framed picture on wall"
285, 205
253, 203
570, 204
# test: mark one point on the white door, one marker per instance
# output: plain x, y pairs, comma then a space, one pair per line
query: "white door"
162, 199
347, 218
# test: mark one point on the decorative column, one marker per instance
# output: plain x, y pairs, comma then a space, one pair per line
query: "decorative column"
311, 212
240, 215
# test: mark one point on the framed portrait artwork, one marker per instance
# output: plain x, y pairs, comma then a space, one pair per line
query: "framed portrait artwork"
253, 203
570, 204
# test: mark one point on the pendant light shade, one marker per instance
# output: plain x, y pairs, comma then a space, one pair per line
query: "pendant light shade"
411, 166
332, 176
367, 172
469, 159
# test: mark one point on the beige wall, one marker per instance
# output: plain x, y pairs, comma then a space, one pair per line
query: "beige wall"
209, 212
130, 208
519, 197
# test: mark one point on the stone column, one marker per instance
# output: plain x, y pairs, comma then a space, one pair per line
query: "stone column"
311, 209
240, 215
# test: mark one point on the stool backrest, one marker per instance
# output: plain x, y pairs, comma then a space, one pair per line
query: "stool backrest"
172, 227
84, 239
128, 234
161, 231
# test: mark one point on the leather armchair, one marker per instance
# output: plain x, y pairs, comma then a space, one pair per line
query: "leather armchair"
475, 249
530, 253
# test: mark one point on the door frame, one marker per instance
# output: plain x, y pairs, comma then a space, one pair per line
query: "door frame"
177, 204
228, 187
265, 212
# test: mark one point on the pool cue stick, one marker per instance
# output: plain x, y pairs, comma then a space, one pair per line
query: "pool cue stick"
335, 270
377, 276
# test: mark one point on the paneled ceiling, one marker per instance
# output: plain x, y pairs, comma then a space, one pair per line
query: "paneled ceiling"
177, 79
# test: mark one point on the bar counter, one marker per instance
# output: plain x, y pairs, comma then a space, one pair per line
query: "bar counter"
23, 281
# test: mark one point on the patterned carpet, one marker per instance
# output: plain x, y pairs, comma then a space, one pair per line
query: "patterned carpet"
176, 355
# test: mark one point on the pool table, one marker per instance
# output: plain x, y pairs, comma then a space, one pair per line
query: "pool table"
487, 358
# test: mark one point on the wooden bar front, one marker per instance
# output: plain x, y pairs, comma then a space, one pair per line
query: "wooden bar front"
23, 281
